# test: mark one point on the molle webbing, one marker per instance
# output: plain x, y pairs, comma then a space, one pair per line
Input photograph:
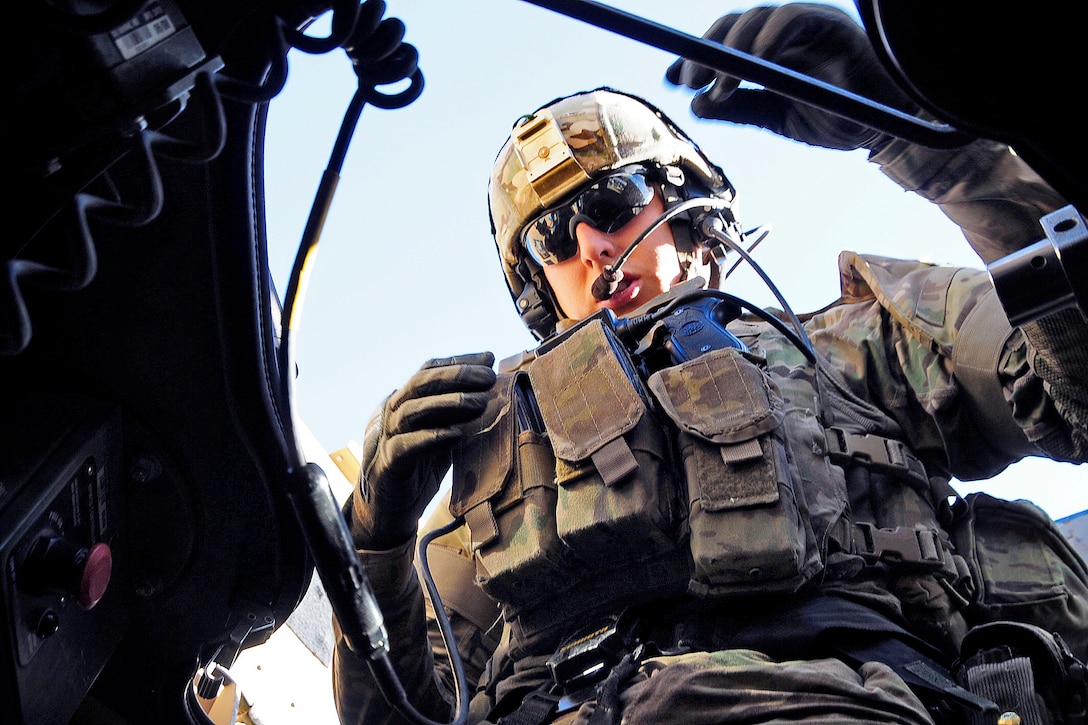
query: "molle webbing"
661, 577
616, 496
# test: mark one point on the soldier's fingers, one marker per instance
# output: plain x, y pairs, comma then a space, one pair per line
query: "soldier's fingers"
444, 379
435, 411
688, 73
409, 448
760, 108
477, 358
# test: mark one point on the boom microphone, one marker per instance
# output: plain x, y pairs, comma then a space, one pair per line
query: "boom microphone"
605, 285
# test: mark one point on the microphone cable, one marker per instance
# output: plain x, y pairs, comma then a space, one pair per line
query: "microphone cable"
711, 226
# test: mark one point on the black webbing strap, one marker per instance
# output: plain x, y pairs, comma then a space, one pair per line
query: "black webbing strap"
536, 708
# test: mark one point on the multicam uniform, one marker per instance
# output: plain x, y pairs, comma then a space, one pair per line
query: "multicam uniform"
923, 380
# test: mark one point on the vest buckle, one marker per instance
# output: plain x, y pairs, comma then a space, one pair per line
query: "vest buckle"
901, 547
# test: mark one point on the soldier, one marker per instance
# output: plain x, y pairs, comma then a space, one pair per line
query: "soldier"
757, 528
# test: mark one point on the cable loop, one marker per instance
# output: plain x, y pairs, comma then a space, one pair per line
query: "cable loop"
345, 15
381, 57
276, 77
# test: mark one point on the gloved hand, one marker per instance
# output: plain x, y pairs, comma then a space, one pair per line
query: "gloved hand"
819, 41
407, 444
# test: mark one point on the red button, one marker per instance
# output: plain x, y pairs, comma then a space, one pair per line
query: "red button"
96, 575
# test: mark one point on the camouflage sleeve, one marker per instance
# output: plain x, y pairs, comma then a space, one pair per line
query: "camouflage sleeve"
985, 188
997, 200
988, 191
976, 395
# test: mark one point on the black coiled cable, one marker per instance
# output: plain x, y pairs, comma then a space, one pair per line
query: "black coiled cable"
345, 16
381, 57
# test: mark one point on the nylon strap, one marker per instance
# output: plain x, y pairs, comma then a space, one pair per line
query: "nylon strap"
736, 453
614, 461
481, 522
923, 675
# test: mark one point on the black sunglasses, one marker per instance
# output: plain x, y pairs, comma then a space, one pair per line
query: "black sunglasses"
607, 205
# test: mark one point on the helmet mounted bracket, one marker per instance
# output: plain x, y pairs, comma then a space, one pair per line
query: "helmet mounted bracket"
550, 168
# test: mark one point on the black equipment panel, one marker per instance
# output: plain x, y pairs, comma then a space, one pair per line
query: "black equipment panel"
66, 598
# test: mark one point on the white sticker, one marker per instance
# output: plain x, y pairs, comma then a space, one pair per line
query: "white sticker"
145, 29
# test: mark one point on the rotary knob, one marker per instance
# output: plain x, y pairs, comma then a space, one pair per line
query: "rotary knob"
56, 565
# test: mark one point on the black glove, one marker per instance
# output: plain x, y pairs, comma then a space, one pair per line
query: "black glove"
406, 448
819, 41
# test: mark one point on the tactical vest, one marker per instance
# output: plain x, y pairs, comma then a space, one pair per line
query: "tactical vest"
586, 487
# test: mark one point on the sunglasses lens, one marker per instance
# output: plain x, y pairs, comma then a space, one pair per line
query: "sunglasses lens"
613, 202
548, 240
608, 205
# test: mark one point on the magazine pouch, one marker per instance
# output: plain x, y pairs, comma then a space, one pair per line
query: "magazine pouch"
504, 487
616, 499
1028, 674
749, 528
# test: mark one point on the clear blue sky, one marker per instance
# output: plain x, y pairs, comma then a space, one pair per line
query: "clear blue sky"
406, 268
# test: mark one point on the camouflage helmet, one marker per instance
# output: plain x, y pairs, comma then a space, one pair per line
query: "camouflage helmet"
560, 148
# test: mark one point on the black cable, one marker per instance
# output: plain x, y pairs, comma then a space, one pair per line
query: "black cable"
214, 124
275, 78
84, 261
145, 144
712, 226
824, 372
381, 667
379, 57
632, 329
20, 272
345, 18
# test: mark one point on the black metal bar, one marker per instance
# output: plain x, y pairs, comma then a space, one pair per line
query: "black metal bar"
773, 77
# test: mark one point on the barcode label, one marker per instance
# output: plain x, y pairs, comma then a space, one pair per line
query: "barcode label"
147, 27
